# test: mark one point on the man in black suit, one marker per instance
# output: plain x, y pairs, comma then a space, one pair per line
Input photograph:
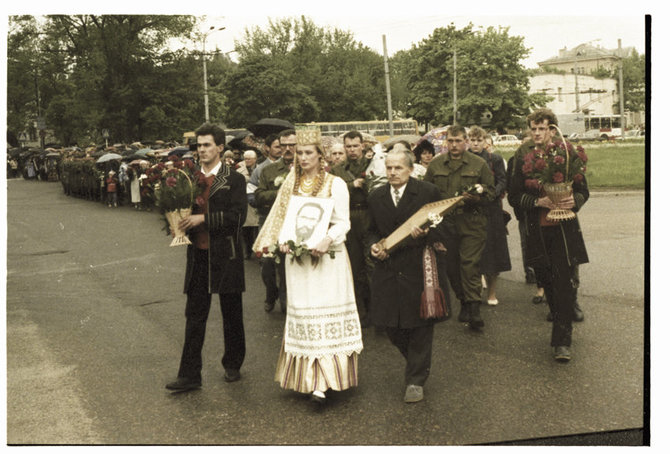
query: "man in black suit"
215, 262
398, 279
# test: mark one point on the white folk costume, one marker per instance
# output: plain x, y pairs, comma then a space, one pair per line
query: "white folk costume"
322, 335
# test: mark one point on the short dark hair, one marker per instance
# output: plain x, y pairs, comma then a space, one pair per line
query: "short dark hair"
425, 145
542, 114
352, 135
217, 132
269, 140
457, 130
286, 133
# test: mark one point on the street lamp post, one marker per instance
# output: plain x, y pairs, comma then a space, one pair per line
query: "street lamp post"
211, 30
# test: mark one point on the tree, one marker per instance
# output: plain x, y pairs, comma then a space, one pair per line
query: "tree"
303, 73
490, 78
634, 82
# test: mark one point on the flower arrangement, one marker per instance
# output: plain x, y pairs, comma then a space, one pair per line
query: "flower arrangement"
474, 189
175, 186
279, 180
553, 165
296, 252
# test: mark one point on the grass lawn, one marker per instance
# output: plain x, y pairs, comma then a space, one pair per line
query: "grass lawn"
610, 165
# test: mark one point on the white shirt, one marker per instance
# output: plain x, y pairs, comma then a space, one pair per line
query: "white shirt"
400, 190
214, 171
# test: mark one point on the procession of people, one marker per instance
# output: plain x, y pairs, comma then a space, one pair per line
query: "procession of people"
306, 210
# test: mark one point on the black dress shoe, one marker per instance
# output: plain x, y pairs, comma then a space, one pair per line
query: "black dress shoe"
269, 306
578, 315
562, 354
184, 384
464, 314
231, 375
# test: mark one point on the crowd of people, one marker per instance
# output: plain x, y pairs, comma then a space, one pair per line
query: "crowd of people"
306, 208
401, 291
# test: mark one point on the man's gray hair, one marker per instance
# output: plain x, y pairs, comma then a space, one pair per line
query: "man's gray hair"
405, 153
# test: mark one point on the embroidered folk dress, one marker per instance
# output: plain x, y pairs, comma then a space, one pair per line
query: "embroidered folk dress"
322, 335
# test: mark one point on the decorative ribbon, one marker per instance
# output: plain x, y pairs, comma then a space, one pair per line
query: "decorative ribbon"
433, 304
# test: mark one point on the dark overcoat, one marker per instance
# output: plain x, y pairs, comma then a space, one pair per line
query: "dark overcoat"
523, 198
226, 212
397, 282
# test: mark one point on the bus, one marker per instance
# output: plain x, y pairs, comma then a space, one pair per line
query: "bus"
379, 129
609, 125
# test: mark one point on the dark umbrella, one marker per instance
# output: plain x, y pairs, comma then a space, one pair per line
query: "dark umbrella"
267, 126
179, 151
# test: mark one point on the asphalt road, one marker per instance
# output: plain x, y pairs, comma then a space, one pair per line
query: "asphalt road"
95, 328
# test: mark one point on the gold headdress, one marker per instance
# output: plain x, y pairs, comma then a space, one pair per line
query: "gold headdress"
306, 135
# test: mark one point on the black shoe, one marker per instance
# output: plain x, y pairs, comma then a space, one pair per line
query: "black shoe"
476, 321
184, 384
562, 354
269, 306
464, 315
538, 299
578, 315
232, 375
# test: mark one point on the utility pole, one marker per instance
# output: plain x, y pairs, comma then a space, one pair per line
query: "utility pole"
204, 67
389, 105
455, 93
576, 83
623, 118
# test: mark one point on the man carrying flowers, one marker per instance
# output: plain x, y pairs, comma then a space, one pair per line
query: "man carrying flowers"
555, 245
214, 261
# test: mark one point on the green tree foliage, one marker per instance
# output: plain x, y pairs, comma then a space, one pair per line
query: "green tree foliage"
490, 78
102, 72
634, 82
301, 72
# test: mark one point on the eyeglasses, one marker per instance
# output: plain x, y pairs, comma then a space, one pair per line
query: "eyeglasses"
291, 145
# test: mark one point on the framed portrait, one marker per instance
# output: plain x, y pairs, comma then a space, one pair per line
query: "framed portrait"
307, 220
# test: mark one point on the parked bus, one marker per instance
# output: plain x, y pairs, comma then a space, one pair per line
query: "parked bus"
609, 125
379, 129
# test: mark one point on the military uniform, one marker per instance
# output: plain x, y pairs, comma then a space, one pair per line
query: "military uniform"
271, 178
360, 222
465, 226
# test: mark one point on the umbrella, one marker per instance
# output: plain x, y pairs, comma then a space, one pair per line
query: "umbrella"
267, 126
179, 151
108, 157
139, 162
236, 140
53, 155
410, 138
143, 152
437, 137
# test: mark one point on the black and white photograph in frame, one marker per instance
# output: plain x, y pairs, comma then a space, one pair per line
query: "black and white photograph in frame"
307, 220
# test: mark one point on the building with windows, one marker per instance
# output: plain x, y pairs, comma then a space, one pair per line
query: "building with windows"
585, 59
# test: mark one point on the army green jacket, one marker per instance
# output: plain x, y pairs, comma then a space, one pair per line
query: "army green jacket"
452, 176
271, 178
350, 171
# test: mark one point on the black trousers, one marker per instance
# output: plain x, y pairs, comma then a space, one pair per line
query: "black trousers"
416, 345
272, 272
198, 302
560, 286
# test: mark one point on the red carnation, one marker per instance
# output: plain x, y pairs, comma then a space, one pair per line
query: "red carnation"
173, 158
527, 167
540, 164
160, 166
558, 177
559, 160
171, 181
578, 178
259, 254
200, 201
528, 157
362, 174
583, 156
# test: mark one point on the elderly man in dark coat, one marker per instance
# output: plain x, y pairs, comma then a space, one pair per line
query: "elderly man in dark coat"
215, 262
398, 279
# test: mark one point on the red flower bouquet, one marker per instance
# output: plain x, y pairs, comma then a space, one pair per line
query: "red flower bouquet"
175, 186
554, 169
